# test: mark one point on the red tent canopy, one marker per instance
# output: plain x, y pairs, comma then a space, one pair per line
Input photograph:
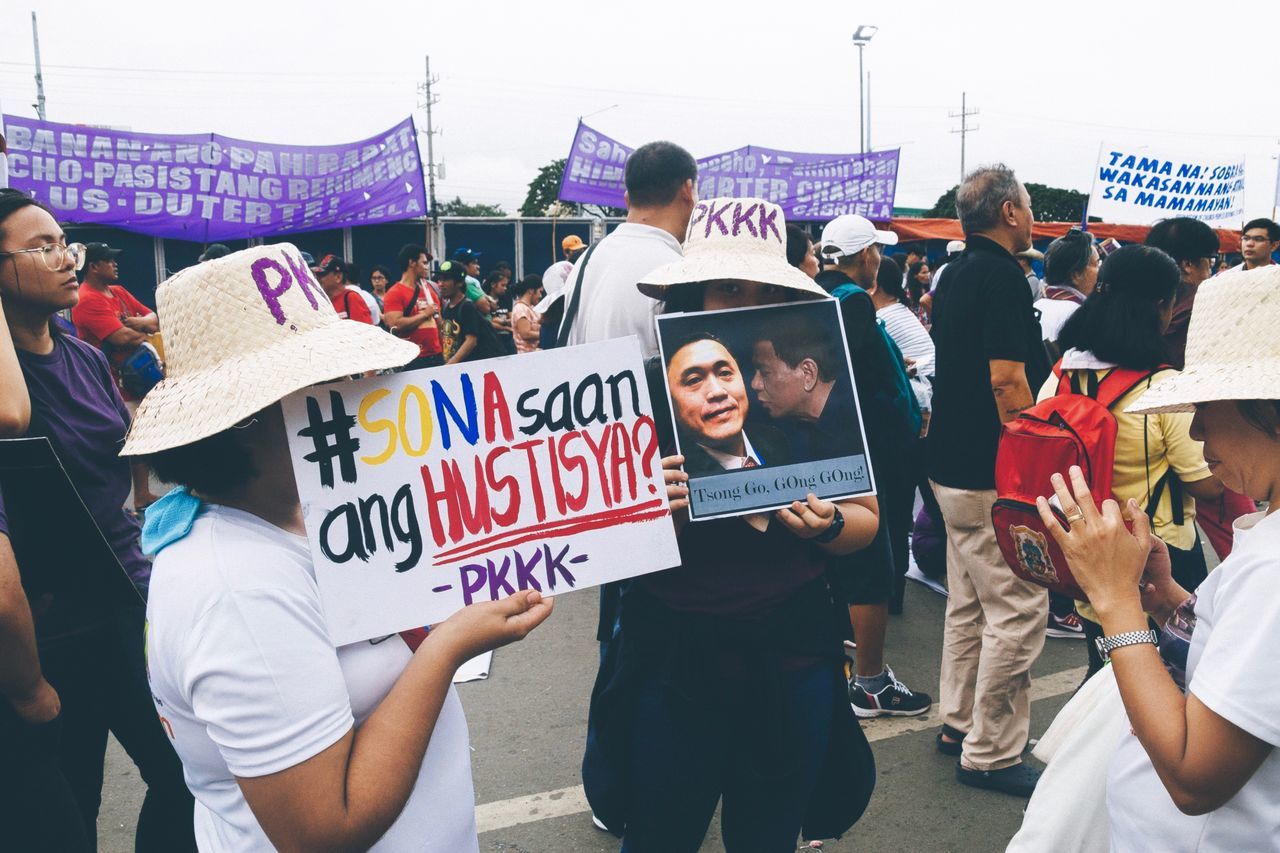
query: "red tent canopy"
908, 228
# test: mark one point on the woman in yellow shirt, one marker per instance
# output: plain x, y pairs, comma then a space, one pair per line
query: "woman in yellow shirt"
1122, 324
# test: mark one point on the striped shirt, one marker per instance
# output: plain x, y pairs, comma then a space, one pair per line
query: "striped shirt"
913, 339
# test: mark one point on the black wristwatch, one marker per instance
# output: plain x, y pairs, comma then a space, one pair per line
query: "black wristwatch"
833, 532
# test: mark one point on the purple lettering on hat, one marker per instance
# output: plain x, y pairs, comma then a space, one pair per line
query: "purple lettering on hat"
743, 217
717, 217
768, 219
271, 295
302, 273
699, 213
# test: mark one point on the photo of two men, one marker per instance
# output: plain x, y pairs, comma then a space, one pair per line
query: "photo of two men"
765, 388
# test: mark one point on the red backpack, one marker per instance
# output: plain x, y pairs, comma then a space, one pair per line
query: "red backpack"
1074, 427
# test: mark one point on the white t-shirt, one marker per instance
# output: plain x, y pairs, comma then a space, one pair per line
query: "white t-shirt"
611, 305
1233, 668
1036, 285
247, 683
1053, 316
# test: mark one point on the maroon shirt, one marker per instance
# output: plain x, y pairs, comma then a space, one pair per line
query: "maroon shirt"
730, 569
1176, 335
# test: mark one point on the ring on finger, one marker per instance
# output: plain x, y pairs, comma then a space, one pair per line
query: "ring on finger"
1075, 516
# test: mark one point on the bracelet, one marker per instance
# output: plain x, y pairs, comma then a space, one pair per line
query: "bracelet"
1107, 645
833, 532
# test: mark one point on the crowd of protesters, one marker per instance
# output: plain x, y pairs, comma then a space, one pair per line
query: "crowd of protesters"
736, 679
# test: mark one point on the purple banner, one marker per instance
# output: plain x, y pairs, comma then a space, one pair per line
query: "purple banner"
205, 187
806, 186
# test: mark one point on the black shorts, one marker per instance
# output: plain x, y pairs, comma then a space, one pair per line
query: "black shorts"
866, 576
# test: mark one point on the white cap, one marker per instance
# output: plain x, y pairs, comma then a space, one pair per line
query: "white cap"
955, 247
849, 234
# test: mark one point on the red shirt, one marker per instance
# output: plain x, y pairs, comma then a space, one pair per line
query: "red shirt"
351, 306
402, 298
98, 315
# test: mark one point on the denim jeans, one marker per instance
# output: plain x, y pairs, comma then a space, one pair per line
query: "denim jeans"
101, 679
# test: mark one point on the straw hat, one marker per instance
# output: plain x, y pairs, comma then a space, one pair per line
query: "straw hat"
1232, 350
732, 238
240, 333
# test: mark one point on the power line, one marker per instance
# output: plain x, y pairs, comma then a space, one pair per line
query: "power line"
203, 72
1085, 123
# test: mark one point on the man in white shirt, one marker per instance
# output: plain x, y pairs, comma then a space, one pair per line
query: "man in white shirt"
661, 180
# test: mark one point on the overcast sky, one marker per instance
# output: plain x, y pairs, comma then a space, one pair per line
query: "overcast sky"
1051, 81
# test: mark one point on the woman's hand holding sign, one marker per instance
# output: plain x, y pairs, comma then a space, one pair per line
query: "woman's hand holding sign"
677, 490
837, 527
677, 483
809, 518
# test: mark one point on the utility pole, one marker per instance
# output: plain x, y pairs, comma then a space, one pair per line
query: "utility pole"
861, 37
431, 99
35, 36
965, 129
869, 148
862, 108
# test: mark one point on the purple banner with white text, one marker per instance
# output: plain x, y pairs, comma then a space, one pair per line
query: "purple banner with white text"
205, 187
806, 186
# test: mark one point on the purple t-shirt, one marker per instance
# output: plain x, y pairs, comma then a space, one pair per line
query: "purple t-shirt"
75, 404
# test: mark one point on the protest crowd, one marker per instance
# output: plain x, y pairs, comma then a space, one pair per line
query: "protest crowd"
741, 677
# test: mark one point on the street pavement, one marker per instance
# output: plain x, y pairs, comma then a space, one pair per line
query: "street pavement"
528, 723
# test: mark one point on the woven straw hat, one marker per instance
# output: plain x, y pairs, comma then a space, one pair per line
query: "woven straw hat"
732, 238
240, 333
1232, 349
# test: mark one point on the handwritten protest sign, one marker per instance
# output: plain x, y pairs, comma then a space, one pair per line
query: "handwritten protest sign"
805, 186
206, 187
1142, 184
433, 489
764, 407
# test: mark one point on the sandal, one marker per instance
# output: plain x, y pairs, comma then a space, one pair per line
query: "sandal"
955, 745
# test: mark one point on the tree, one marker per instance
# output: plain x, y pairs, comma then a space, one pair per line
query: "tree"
458, 207
543, 189
1049, 204
544, 192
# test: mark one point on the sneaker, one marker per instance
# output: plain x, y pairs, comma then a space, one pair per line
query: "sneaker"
1067, 627
598, 823
895, 700
1018, 780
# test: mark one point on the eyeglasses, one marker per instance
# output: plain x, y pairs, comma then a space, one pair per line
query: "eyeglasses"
55, 255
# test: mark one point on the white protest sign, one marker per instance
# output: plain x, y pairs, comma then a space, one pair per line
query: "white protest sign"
1142, 184
426, 491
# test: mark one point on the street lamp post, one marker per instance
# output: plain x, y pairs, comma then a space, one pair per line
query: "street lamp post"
861, 37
